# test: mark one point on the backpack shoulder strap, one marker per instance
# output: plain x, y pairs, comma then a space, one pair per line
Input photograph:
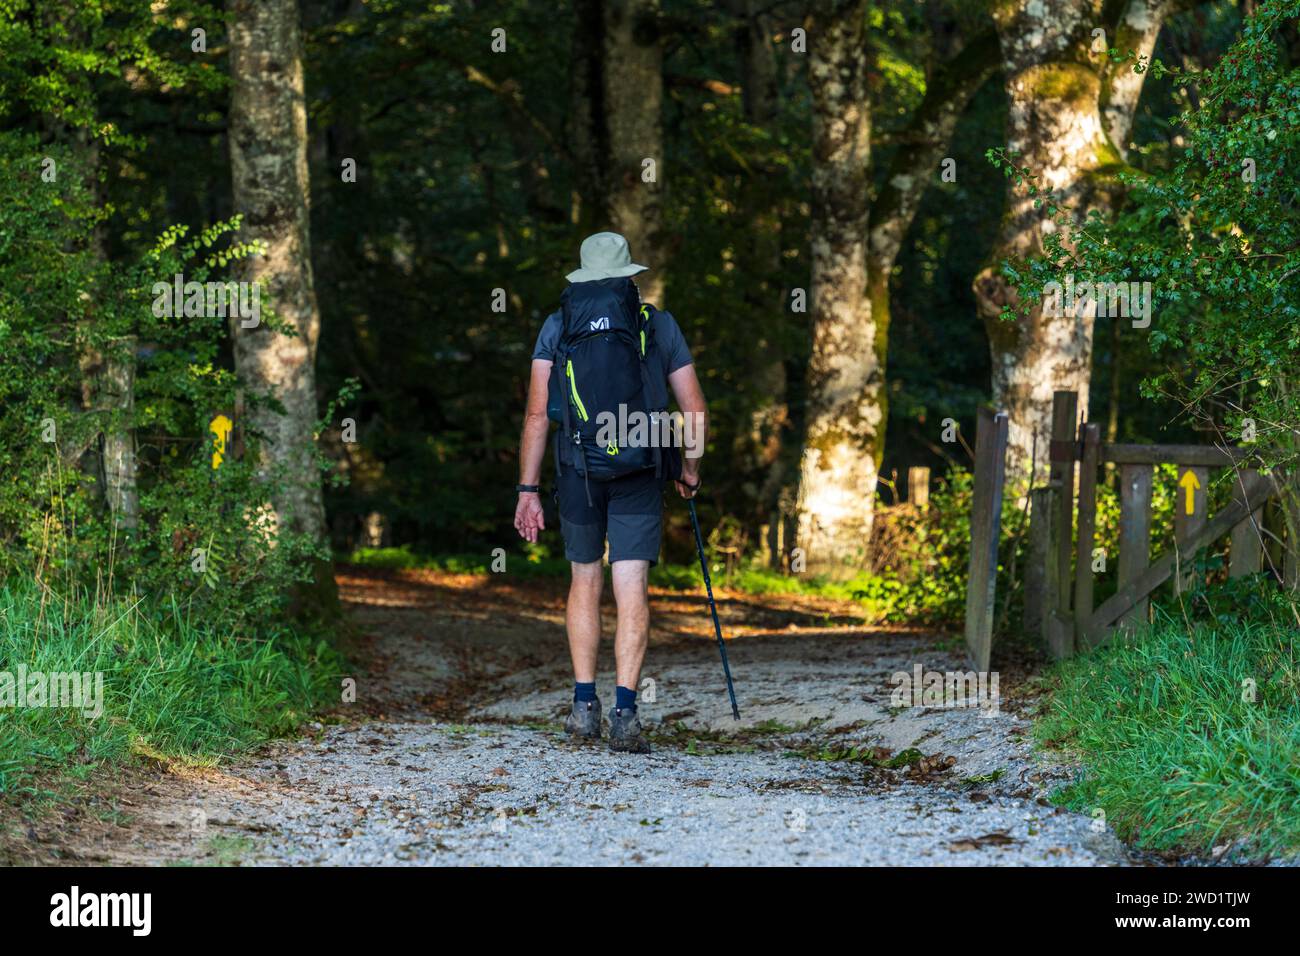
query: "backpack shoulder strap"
647, 326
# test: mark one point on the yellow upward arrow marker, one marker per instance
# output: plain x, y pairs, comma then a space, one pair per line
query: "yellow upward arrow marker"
1189, 482
219, 427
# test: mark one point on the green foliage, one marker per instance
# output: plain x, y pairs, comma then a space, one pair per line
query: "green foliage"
923, 569
111, 127
1174, 749
60, 58
62, 305
176, 685
1216, 599
1217, 236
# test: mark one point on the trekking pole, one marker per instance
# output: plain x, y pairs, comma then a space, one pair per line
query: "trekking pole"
713, 607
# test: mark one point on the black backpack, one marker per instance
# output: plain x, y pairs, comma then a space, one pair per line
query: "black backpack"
600, 366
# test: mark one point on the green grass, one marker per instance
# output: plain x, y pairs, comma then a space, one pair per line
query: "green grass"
876, 594
404, 559
173, 688
1174, 751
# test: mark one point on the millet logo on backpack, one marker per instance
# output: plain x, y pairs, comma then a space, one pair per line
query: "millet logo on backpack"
600, 324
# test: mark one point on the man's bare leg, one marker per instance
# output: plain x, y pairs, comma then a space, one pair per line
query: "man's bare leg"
582, 619
630, 580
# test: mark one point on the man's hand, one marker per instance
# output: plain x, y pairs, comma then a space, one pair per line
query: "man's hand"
529, 519
690, 480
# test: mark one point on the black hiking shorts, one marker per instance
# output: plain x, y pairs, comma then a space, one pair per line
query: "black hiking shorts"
628, 510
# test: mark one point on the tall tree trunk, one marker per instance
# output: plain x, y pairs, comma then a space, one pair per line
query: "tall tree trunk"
615, 125
759, 88
1056, 129
845, 420
765, 448
858, 384
268, 151
116, 392
107, 368
108, 382
587, 135
633, 103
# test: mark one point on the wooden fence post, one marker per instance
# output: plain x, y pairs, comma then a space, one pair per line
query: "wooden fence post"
1040, 572
1065, 407
918, 487
985, 530
1246, 546
1089, 461
1193, 487
1134, 534
1289, 507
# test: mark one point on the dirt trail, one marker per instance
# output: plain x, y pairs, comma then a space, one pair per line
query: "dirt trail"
453, 754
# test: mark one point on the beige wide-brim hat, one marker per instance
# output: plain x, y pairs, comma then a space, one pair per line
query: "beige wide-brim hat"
605, 255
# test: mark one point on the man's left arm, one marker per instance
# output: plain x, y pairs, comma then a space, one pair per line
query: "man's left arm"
690, 399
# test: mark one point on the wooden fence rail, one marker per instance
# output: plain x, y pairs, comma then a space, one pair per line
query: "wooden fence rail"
1059, 587
1063, 562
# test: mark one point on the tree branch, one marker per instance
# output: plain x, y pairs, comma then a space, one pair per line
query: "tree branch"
930, 130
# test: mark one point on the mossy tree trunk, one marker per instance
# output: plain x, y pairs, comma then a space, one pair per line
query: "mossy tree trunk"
1138, 27
268, 151
585, 130
847, 404
1065, 104
845, 418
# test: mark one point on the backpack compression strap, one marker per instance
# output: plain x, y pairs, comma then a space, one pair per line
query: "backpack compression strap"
647, 339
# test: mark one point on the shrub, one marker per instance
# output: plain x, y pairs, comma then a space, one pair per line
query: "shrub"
200, 538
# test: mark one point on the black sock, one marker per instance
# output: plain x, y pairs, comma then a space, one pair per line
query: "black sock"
584, 693
625, 699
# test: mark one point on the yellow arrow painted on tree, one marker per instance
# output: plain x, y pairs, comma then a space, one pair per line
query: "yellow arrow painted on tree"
220, 427
1190, 483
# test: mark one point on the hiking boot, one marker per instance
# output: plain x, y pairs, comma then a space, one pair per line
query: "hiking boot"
625, 733
584, 720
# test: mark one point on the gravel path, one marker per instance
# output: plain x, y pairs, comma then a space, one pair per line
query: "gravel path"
454, 754
489, 795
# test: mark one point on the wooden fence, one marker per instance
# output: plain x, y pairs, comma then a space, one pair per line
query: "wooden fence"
1059, 577
985, 533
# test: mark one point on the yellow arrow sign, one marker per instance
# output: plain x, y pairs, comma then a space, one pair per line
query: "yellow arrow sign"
1189, 482
220, 427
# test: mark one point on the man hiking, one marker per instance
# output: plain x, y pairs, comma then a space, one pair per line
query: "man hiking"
600, 362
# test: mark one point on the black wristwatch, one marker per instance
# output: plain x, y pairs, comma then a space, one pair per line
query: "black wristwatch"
535, 489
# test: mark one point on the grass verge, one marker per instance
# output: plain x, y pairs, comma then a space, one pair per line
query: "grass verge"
173, 688
1190, 740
